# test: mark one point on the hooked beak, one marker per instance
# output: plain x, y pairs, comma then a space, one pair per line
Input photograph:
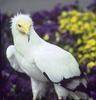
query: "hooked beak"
28, 37
26, 30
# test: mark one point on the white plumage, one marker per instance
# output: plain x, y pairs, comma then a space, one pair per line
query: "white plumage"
12, 59
55, 62
40, 60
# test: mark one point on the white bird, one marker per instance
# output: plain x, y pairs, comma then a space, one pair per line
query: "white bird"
41, 61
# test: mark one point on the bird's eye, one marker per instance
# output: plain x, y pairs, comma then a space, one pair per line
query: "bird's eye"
19, 25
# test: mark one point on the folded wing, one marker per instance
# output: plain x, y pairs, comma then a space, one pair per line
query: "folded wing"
56, 63
10, 54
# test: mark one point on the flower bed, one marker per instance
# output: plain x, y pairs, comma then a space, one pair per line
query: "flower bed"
67, 27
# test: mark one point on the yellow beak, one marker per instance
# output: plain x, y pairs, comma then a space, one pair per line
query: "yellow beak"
25, 29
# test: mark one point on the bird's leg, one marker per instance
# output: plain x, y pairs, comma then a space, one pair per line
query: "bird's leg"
38, 89
62, 93
34, 84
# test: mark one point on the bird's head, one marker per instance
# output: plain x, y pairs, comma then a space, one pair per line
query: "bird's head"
21, 23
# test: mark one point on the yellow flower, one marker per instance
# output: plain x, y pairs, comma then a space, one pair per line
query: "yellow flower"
91, 42
87, 47
74, 28
93, 48
79, 41
46, 37
74, 12
79, 55
71, 50
93, 54
64, 14
79, 23
91, 64
86, 56
63, 21
74, 19
86, 25
80, 49
86, 21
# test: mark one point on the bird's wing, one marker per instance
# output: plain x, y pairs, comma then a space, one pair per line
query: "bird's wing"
20, 63
56, 63
10, 54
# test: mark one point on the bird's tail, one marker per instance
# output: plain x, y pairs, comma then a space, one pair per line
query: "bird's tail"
73, 83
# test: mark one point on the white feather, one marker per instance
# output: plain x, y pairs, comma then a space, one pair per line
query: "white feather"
56, 62
51, 59
37, 56
10, 53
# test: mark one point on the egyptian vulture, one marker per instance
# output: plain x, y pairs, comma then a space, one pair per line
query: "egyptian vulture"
43, 62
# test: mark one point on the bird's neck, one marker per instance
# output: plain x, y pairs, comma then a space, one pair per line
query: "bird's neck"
35, 39
20, 42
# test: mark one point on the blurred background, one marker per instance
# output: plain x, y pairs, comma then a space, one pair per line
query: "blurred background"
70, 24
13, 6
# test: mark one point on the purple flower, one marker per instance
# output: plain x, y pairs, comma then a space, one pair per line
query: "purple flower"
93, 95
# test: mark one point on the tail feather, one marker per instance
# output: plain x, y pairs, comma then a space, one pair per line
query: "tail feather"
73, 83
